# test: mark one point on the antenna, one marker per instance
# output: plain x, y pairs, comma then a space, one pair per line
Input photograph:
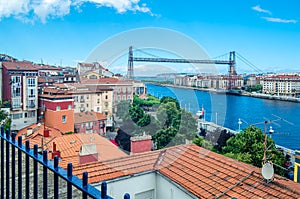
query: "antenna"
267, 171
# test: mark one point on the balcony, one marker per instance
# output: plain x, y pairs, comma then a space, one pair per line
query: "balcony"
89, 127
82, 109
82, 100
44, 179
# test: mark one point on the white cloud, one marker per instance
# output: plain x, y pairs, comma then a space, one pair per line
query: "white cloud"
259, 9
43, 9
279, 20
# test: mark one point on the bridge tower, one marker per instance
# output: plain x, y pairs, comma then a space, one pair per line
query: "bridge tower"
232, 63
130, 74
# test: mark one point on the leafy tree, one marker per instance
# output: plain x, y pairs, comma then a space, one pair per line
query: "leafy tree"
188, 126
167, 113
136, 113
144, 121
164, 136
167, 99
248, 146
123, 110
150, 101
200, 141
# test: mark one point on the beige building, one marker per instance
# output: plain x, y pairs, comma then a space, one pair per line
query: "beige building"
282, 85
122, 89
211, 81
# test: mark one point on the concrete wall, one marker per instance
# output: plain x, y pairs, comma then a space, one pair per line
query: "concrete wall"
132, 185
166, 189
159, 185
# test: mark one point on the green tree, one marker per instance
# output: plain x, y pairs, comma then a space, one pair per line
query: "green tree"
123, 110
187, 126
144, 121
200, 141
136, 113
248, 146
167, 114
164, 136
167, 99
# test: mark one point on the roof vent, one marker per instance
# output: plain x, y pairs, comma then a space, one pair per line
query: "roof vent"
88, 153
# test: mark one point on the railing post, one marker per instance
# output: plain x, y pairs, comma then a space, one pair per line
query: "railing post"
103, 189
45, 175
126, 196
55, 177
7, 164
19, 168
84, 184
2, 161
13, 165
27, 173
70, 175
35, 172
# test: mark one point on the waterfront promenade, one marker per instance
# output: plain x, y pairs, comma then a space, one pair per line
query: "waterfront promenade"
242, 93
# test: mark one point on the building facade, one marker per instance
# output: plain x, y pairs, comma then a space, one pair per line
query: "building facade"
288, 85
20, 89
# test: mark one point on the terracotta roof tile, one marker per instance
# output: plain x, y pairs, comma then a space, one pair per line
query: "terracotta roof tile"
203, 173
20, 65
88, 117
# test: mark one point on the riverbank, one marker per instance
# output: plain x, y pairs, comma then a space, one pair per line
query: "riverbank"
242, 93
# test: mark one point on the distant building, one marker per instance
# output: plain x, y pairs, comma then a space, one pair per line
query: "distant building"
19, 83
210, 81
90, 122
93, 71
122, 88
57, 110
282, 85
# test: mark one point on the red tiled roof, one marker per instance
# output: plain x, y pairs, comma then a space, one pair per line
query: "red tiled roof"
20, 65
37, 134
105, 81
88, 117
201, 172
69, 146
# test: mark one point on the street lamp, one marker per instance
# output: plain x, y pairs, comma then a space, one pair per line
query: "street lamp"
240, 122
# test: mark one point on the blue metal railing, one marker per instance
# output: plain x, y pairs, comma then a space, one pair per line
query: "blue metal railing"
12, 174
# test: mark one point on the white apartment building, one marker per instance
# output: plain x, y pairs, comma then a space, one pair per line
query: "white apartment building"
282, 85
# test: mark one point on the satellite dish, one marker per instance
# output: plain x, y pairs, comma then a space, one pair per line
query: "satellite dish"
267, 171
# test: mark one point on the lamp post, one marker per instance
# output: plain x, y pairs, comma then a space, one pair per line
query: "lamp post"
240, 123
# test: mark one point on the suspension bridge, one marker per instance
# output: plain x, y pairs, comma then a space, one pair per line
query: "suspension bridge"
231, 61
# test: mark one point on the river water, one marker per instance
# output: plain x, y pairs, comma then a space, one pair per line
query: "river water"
226, 110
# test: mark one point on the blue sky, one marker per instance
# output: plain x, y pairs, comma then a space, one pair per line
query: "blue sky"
266, 32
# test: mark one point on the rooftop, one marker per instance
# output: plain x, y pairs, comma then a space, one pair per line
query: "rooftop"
88, 117
201, 172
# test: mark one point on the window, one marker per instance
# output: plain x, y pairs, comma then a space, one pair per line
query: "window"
106, 104
87, 97
58, 108
106, 96
31, 103
17, 116
70, 106
25, 115
76, 98
98, 109
31, 114
64, 119
31, 82
31, 92
98, 101
87, 105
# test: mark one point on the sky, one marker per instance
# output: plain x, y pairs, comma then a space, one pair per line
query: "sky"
64, 32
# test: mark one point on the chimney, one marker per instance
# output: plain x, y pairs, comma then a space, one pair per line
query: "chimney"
88, 153
29, 132
297, 166
55, 152
46, 133
140, 144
